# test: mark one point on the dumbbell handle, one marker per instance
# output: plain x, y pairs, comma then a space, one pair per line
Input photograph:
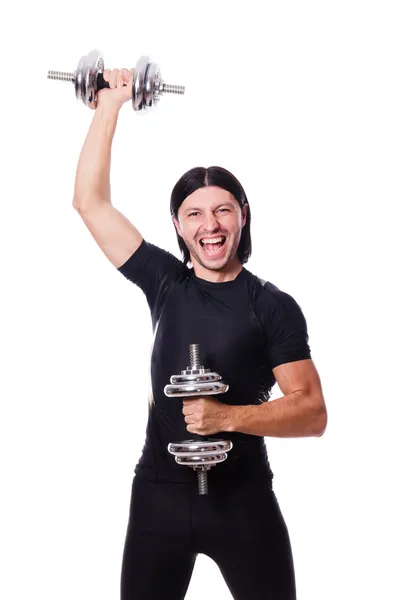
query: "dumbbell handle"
101, 83
198, 438
71, 77
165, 88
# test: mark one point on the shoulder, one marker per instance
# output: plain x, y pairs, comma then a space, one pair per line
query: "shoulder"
269, 299
283, 324
148, 252
152, 262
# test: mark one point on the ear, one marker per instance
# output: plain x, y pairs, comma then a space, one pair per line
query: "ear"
177, 226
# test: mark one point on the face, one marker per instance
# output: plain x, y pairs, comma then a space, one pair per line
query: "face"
210, 222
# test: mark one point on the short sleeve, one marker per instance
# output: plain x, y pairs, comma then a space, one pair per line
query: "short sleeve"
285, 326
148, 267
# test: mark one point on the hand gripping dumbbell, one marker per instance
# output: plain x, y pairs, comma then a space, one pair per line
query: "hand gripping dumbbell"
200, 453
147, 85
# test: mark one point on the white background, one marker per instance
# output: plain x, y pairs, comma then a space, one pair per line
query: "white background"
299, 101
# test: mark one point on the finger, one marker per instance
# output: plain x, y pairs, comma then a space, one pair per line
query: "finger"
106, 75
113, 78
120, 79
188, 411
126, 76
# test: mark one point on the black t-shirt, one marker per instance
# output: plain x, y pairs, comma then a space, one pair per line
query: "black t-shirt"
245, 328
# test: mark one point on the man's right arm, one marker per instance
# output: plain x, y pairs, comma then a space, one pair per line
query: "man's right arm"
113, 232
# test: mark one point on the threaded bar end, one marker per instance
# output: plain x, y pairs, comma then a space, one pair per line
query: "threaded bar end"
202, 477
194, 353
173, 89
61, 76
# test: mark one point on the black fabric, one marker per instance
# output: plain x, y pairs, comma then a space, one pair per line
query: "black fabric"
245, 328
239, 526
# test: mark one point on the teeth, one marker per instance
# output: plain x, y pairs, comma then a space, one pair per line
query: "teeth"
212, 240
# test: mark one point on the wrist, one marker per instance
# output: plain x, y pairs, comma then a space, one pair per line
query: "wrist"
242, 417
109, 109
230, 418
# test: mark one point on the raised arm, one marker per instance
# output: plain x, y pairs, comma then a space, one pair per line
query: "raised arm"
114, 233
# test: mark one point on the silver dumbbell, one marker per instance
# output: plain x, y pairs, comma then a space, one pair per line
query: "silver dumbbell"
147, 86
199, 453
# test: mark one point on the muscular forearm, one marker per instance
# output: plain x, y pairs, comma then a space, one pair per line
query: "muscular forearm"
92, 183
294, 415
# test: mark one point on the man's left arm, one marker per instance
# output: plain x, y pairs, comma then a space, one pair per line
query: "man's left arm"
300, 412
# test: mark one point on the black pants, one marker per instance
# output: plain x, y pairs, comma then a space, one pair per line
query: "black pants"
238, 524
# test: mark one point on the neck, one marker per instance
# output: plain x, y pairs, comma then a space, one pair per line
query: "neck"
227, 273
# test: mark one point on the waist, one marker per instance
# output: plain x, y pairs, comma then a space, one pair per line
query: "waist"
227, 473
247, 458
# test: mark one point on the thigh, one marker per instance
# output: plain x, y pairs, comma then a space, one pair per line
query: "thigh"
254, 554
157, 560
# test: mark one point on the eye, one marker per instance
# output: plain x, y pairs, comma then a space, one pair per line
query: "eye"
192, 214
224, 210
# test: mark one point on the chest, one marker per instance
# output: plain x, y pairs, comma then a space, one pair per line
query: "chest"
224, 326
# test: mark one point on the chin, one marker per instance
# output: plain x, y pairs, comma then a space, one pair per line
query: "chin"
214, 266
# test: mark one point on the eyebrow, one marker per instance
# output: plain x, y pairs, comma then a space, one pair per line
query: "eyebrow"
229, 204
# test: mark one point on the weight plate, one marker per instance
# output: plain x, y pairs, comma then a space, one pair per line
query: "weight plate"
207, 453
149, 89
201, 389
95, 66
138, 83
199, 460
212, 446
201, 377
77, 81
86, 78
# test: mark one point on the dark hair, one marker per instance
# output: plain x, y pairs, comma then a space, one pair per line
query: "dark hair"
200, 177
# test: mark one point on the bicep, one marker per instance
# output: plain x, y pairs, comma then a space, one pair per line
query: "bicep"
113, 232
298, 376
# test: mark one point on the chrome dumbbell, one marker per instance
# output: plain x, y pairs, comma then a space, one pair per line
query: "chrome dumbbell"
199, 453
147, 85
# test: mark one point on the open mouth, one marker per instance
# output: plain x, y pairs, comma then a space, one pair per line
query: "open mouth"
214, 245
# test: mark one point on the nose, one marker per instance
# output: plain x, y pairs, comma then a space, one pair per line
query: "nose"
210, 222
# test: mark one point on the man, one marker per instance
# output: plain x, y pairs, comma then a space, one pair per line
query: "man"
251, 333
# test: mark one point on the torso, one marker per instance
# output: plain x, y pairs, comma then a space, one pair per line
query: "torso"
219, 317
